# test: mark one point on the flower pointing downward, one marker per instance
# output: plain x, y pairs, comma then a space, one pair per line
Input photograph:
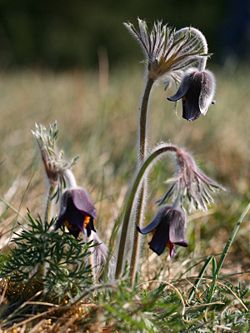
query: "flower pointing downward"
168, 227
197, 92
77, 212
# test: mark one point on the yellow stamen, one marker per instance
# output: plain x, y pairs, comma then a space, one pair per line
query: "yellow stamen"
86, 221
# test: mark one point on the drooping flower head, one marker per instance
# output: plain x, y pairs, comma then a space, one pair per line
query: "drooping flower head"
180, 55
190, 184
77, 212
197, 91
168, 227
190, 188
168, 51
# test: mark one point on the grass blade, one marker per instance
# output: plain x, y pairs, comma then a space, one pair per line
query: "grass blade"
200, 277
226, 250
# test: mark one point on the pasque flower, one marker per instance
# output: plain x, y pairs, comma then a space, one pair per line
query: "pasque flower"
169, 51
77, 212
168, 227
190, 184
197, 92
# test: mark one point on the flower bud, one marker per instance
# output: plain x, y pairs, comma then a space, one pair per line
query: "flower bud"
197, 91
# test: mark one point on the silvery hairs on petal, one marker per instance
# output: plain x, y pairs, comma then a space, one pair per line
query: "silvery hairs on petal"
167, 51
207, 93
197, 91
177, 226
100, 253
190, 184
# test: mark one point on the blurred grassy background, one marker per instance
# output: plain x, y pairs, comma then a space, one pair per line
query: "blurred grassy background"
98, 122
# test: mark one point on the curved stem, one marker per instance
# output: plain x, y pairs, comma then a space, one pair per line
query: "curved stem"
203, 42
145, 167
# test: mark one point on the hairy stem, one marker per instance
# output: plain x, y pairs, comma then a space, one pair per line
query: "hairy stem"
92, 261
145, 167
143, 120
48, 215
139, 209
49, 204
139, 217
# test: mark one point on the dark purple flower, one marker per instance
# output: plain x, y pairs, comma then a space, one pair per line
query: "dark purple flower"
168, 227
77, 212
197, 91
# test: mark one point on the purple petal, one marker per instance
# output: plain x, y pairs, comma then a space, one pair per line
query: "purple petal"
160, 238
72, 217
77, 212
190, 103
183, 88
155, 222
207, 91
177, 225
190, 108
83, 202
64, 202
